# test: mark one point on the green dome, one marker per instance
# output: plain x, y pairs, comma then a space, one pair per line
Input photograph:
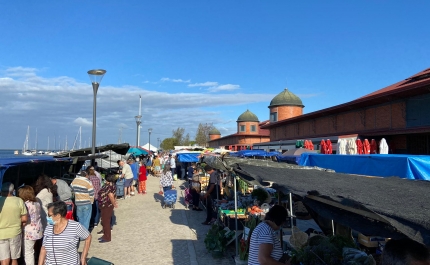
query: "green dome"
247, 116
286, 98
214, 131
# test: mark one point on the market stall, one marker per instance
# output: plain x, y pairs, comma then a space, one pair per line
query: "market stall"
382, 207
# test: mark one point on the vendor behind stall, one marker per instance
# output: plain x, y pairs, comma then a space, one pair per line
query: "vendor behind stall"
265, 247
210, 195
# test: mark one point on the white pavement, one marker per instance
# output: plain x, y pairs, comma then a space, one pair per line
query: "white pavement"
147, 234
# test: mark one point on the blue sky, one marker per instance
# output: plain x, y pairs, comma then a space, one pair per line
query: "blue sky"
193, 61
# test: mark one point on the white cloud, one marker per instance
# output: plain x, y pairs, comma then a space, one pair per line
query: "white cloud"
208, 83
227, 87
215, 86
58, 106
166, 79
83, 121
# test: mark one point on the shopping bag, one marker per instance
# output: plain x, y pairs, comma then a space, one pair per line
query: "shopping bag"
97, 261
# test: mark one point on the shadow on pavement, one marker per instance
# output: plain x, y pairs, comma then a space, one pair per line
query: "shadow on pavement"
191, 220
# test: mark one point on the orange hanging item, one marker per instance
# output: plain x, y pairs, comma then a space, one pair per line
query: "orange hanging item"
322, 147
366, 147
359, 146
373, 147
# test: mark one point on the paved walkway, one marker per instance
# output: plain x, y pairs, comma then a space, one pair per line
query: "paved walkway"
147, 234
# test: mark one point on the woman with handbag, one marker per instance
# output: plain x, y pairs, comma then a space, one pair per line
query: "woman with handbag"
195, 189
107, 202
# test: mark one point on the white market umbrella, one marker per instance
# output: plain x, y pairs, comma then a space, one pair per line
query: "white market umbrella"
351, 147
341, 146
383, 147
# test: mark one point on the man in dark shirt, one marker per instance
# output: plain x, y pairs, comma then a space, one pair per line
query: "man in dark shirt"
211, 194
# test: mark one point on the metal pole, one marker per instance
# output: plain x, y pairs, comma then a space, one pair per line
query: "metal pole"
149, 147
235, 216
291, 211
93, 147
137, 134
140, 116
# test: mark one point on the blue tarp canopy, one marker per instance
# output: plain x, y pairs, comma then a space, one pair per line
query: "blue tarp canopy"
188, 157
292, 159
403, 166
250, 153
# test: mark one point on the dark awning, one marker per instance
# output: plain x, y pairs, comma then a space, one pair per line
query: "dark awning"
402, 204
117, 148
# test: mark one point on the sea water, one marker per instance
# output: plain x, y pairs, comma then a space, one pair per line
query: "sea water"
8, 153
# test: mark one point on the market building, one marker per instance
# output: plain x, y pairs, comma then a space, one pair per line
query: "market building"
399, 113
248, 133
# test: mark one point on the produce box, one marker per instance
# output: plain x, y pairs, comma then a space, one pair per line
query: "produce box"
230, 221
231, 212
370, 241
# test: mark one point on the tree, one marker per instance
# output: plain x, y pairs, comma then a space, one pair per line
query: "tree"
168, 144
186, 140
178, 134
202, 134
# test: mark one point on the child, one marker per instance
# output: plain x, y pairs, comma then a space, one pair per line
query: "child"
142, 178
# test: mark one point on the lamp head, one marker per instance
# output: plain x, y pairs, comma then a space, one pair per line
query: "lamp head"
96, 75
150, 130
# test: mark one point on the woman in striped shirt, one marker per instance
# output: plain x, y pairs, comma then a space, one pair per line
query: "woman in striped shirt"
265, 247
61, 237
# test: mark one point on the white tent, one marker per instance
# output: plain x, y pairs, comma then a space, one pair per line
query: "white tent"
146, 146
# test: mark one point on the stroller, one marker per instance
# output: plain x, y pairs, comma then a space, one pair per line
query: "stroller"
170, 197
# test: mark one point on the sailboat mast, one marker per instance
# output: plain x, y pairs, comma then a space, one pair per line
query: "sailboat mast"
80, 137
48, 144
26, 139
35, 147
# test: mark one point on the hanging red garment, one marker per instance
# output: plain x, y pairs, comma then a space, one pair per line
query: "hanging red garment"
322, 147
359, 146
311, 145
329, 147
366, 147
373, 147
306, 144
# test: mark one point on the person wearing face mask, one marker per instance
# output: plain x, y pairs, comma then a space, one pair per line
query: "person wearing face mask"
265, 247
107, 201
61, 237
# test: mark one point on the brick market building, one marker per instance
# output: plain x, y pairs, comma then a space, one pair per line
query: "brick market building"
400, 113
248, 133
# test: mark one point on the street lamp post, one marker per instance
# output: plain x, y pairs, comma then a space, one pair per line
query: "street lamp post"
158, 141
138, 122
96, 77
150, 131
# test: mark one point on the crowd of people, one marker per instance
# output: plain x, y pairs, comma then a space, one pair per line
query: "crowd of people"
41, 219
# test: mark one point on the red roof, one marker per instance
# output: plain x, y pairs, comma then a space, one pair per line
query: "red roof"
412, 86
416, 79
